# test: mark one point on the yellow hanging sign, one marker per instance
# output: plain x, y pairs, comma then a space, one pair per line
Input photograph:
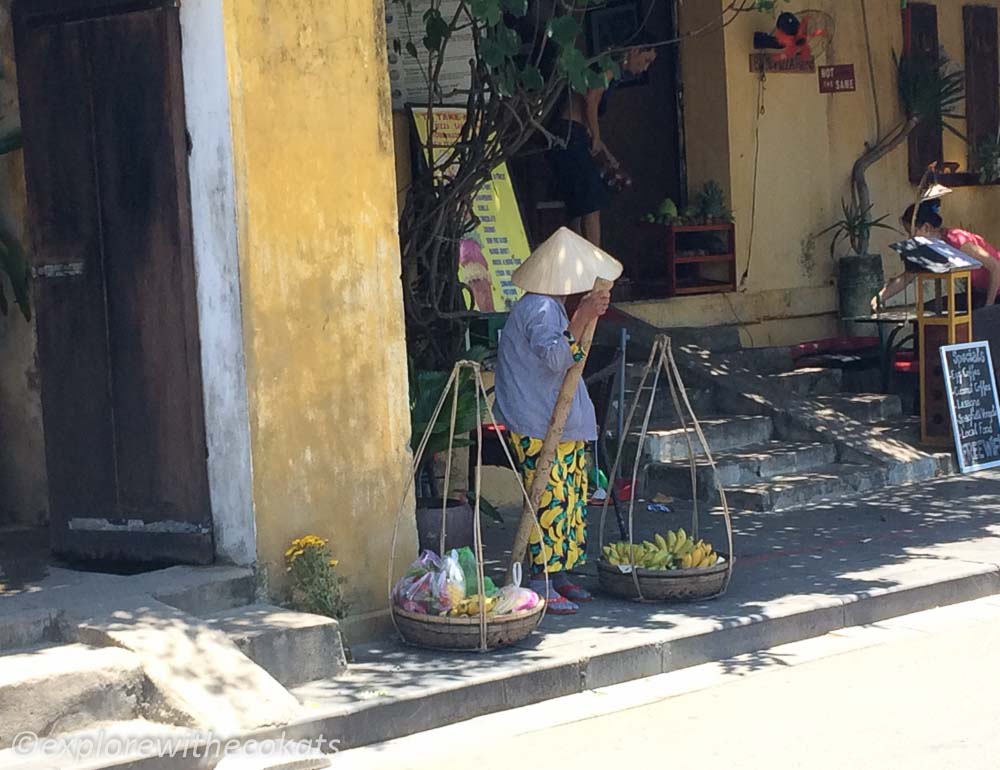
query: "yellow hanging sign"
491, 253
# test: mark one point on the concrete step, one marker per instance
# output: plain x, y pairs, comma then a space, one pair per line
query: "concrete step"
701, 399
53, 690
811, 381
29, 628
907, 430
796, 489
723, 434
761, 360
865, 407
739, 468
293, 647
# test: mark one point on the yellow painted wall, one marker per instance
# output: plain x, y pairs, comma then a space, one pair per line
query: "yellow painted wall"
23, 482
322, 306
807, 145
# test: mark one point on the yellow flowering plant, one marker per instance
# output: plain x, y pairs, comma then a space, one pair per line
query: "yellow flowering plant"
315, 585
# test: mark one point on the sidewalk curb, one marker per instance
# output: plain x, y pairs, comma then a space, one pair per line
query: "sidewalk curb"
388, 719
648, 654
396, 718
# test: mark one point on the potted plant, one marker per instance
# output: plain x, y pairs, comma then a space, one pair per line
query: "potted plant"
861, 275
426, 388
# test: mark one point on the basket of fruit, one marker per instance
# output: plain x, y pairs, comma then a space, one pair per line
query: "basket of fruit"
463, 632
438, 604
446, 601
673, 568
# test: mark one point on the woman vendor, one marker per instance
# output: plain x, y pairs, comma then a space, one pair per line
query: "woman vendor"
576, 166
538, 347
929, 224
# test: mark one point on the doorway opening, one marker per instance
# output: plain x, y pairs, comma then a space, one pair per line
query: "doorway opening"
643, 129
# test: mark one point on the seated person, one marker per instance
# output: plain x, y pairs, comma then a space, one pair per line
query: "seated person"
929, 224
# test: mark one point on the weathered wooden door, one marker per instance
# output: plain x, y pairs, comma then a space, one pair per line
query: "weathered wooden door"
102, 111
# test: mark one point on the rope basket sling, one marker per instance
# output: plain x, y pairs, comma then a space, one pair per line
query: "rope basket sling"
648, 585
484, 632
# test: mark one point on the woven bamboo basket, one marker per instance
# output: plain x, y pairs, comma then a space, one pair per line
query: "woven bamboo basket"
444, 633
461, 633
682, 585
666, 585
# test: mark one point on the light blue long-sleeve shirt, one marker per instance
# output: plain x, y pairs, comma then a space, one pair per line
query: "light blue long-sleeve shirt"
533, 359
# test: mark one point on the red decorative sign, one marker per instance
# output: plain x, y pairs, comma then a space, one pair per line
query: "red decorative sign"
837, 79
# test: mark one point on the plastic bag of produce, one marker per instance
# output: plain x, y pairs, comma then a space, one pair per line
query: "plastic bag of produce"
423, 589
515, 599
428, 562
470, 568
416, 594
452, 585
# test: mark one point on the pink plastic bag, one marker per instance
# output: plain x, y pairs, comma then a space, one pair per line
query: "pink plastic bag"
513, 599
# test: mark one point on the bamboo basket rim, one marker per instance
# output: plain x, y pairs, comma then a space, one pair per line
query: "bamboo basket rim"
444, 620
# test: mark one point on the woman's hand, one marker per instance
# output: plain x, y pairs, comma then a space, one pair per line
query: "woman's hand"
598, 147
876, 302
592, 307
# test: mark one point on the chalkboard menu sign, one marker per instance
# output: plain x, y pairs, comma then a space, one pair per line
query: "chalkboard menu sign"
972, 399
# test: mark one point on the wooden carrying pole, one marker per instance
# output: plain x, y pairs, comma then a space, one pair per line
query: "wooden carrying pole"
553, 437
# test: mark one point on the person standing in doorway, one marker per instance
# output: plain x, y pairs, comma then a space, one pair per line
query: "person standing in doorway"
577, 166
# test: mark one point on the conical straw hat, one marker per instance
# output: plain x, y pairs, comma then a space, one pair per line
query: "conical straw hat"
935, 192
566, 264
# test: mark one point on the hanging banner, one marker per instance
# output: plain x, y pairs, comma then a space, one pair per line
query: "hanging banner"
496, 248
408, 74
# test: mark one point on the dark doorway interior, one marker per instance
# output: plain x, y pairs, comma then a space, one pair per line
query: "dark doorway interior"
642, 128
105, 148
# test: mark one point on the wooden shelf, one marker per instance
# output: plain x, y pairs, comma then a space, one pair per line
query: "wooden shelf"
718, 228
705, 258
704, 287
688, 274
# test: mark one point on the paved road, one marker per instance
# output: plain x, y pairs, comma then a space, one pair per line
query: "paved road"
917, 692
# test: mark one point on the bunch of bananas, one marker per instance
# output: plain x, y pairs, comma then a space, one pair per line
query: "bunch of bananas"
675, 550
470, 607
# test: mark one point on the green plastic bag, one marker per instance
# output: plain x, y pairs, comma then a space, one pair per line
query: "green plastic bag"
467, 560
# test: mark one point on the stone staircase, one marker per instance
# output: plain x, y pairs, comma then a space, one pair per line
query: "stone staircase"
763, 464
179, 649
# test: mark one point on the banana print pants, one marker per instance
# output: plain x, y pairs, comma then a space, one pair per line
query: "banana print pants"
562, 512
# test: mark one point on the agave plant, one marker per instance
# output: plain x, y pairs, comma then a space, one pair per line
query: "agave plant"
855, 226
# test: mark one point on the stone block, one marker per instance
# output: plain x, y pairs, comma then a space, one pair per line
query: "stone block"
293, 647
53, 690
200, 678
